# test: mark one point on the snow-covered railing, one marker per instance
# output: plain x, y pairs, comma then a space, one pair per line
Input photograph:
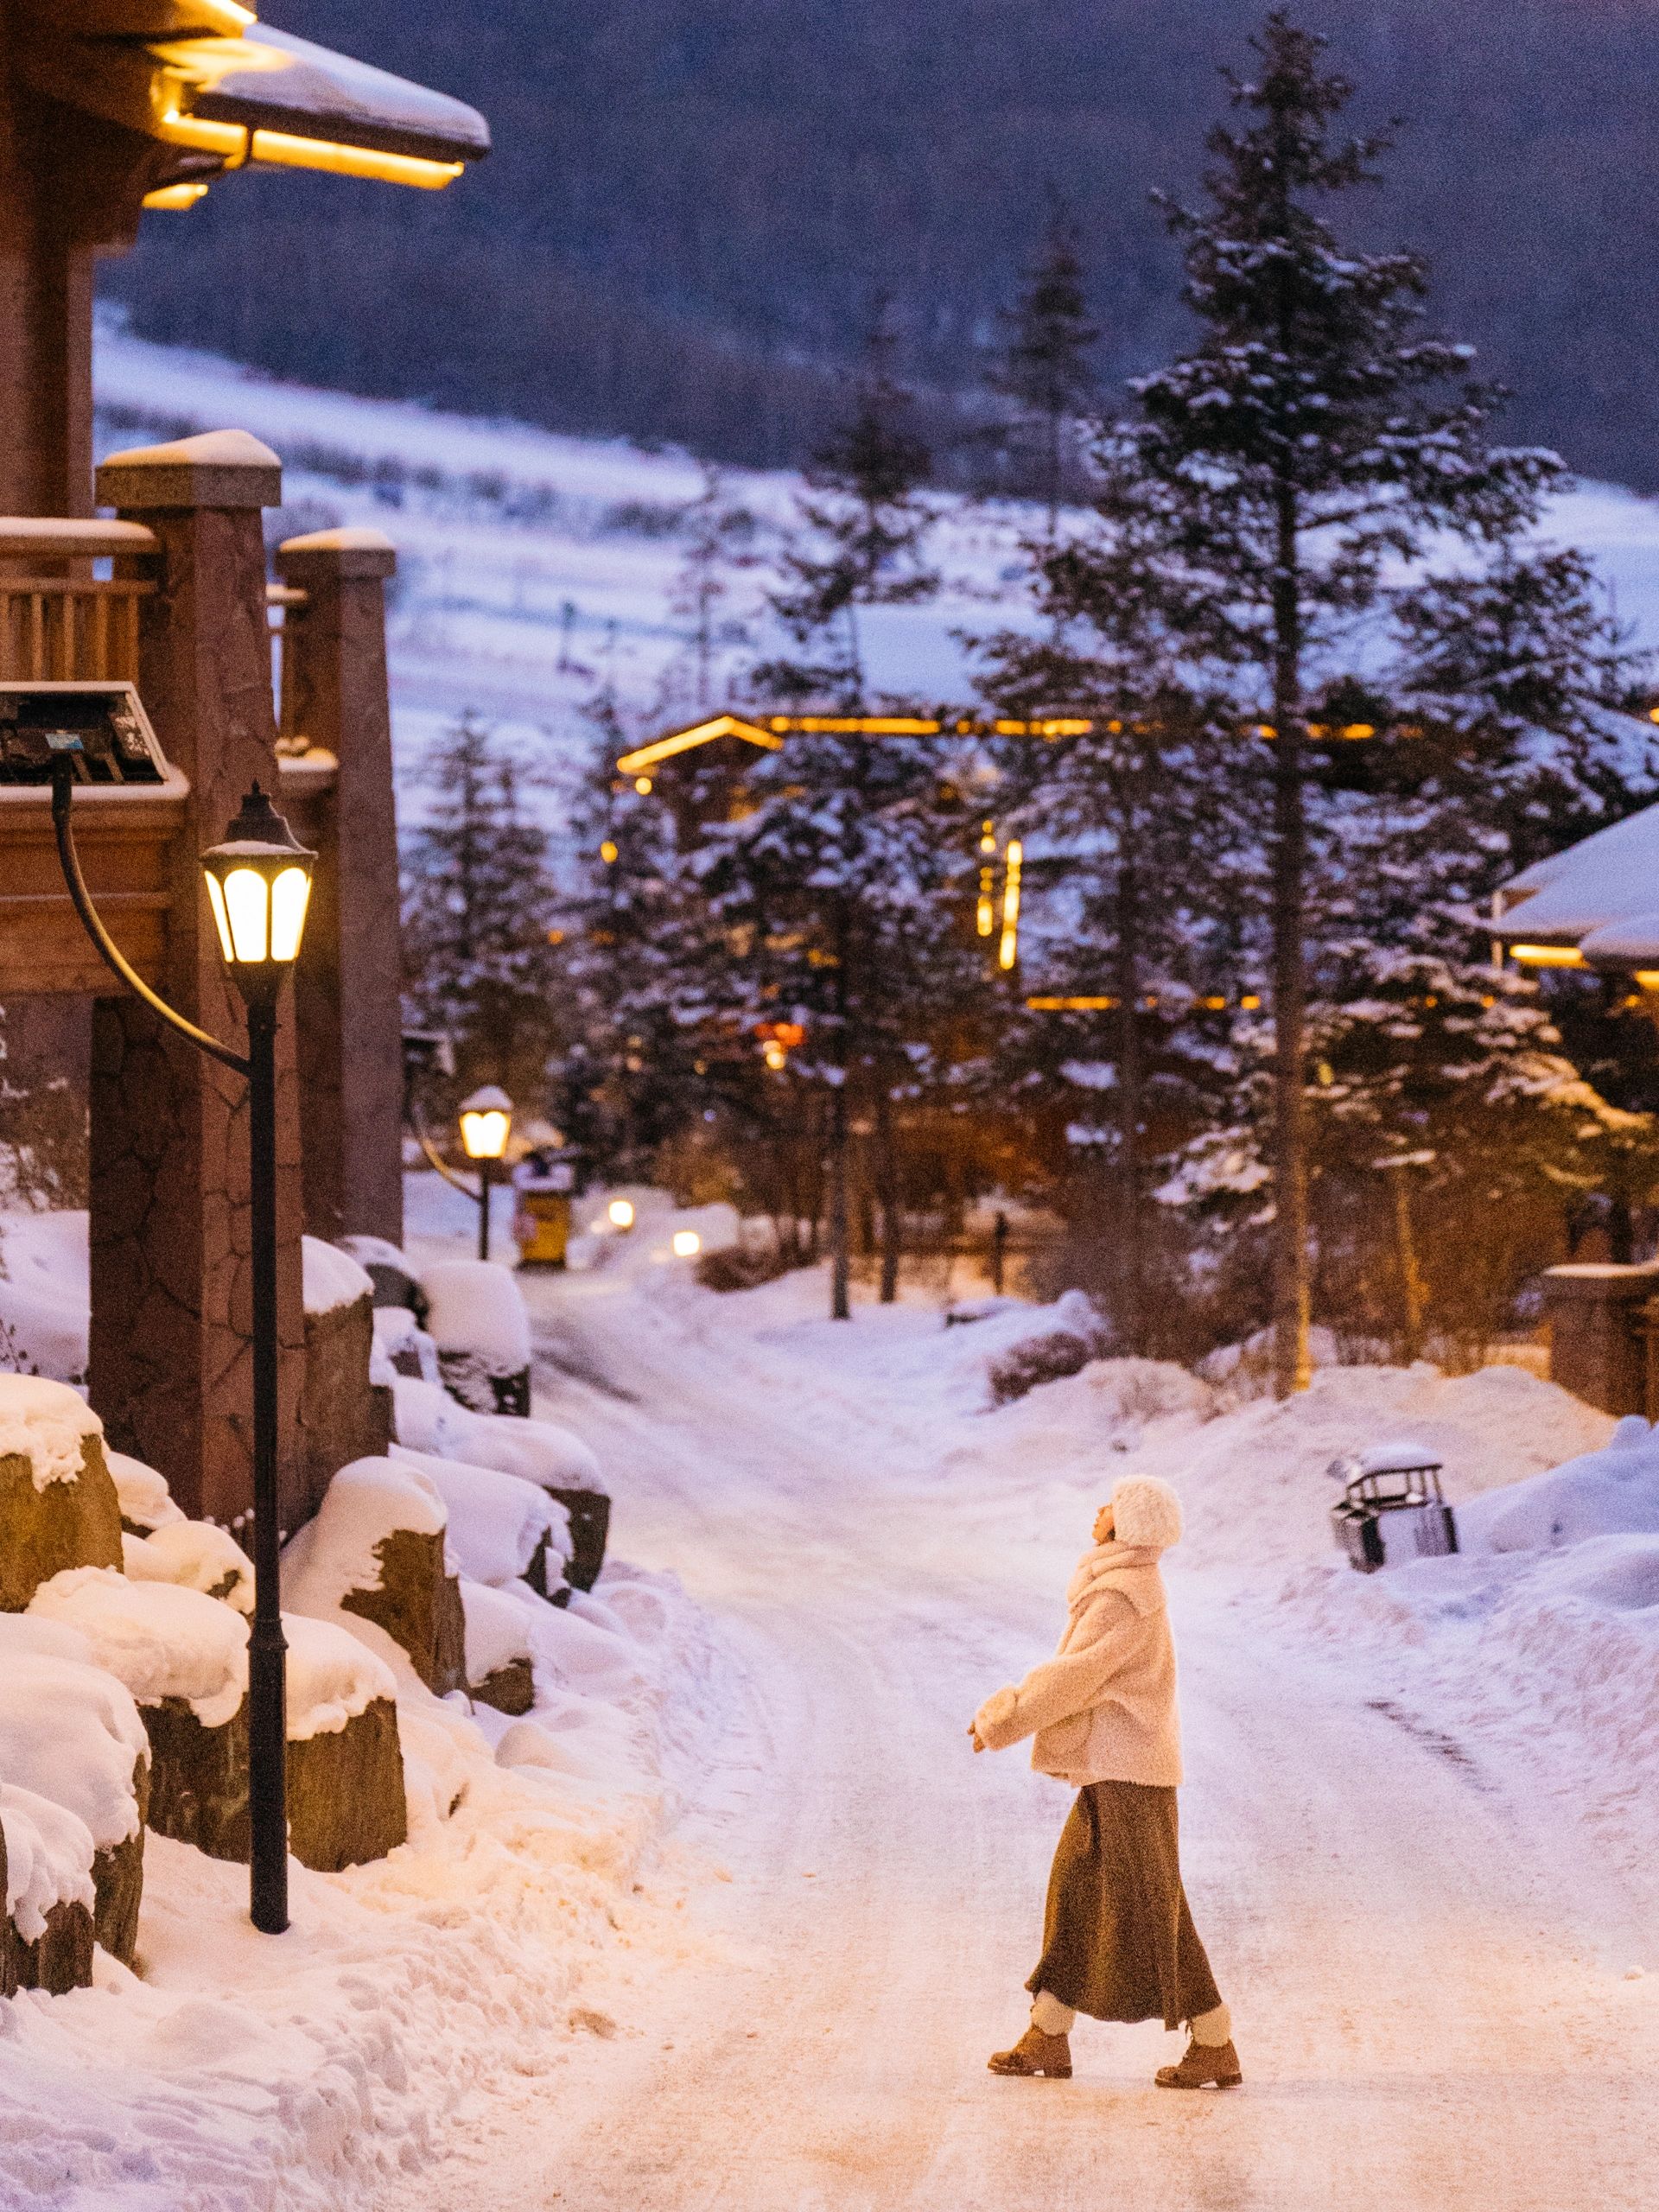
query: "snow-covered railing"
69, 627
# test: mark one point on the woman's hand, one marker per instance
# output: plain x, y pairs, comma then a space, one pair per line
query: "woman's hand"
974, 1732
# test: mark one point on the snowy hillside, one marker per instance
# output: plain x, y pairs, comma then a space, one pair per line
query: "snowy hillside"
535, 570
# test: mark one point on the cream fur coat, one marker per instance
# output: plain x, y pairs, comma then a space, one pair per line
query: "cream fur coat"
1103, 1709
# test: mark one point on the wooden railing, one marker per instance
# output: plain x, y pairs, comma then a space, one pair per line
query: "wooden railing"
283, 600
67, 626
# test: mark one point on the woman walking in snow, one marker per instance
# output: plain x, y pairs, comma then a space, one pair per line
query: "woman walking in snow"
1118, 1940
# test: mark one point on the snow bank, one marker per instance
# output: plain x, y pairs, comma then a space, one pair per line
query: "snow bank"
145, 1501
475, 1307
1615, 1491
332, 1278
157, 1639
428, 1419
69, 1732
195, 1555
49, 1853
45, 1422
497, 1522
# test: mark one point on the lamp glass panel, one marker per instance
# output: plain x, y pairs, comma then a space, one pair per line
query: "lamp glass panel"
289, 896
484, 1136
247, 898
221, 919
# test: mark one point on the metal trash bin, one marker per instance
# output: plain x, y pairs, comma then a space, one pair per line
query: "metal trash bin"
1392, 1509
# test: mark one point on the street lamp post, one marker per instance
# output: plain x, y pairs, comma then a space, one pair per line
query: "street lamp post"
258, 884
485, 1125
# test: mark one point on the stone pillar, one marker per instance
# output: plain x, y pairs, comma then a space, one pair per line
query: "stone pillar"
350, 982
1596, 1345
171, 1286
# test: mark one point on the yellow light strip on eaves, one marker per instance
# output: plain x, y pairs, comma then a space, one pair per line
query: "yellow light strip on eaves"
177, 197
1547, 956
280, 150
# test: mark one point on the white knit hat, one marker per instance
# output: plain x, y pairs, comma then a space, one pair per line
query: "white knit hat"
1146, 1511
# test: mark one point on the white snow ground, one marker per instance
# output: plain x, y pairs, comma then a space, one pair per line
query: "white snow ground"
758, 1959
1423, 1868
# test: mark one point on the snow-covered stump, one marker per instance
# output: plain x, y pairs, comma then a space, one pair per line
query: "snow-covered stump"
538, 1451
476, 1316
343, 1415
502, 1528
70, 1733
50, 1928
57, 1504
377, 1550
500, 1666
183, 1656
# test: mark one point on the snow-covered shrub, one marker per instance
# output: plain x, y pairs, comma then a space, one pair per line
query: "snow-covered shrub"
1614, 1491
1062, 1343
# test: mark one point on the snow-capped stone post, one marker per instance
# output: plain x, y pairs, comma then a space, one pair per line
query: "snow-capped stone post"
171, 1234
346, 991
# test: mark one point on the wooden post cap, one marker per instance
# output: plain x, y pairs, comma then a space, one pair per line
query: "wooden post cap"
219, 468
356, 550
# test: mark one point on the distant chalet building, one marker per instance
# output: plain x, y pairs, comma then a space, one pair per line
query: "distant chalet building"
1596, 907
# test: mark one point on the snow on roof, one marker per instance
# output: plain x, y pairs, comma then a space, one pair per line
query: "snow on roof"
158, 1639
48, 1858
268, 79
70, 1732
1607, 878
45, 1423
332, 1278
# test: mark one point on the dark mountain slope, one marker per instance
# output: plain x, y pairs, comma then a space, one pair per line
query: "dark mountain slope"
693, 202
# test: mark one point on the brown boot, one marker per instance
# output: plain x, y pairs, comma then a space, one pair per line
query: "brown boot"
1205, 2063
1035, 2053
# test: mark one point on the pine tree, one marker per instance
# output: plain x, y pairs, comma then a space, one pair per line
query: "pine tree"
477, 903
859, 541
1316, 432
719, 535
1042, 365
1137, 819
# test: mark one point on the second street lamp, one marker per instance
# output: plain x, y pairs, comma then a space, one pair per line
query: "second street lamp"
485, 1125
258, 885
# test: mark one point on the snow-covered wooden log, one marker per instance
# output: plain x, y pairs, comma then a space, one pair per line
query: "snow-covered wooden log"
49, 1929
193, 1556
499, 1667
502, 1528
70, 1733
343, 1415
145, 1501
476, 1316
57, 1504
376, 1551
183, 1655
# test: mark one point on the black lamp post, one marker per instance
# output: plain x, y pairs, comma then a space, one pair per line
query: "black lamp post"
258, 884
485, 1125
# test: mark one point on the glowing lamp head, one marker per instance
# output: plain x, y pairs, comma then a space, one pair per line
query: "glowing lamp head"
485, 1122
259, 886
686, 1244
619, 1213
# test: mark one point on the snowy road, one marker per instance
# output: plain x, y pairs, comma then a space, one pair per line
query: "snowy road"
1431, 2005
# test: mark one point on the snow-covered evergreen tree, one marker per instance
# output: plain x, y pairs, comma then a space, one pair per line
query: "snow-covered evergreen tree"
479, 901
1042, 368
1315, 433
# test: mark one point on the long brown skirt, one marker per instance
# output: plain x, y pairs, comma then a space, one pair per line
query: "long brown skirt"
1118, 1940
